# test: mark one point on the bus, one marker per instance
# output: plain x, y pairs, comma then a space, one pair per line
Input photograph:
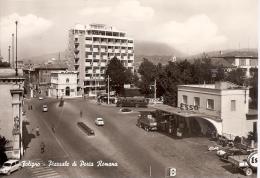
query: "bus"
132, 102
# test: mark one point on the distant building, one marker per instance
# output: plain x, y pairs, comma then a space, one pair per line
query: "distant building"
91, 47
244, 60
39, 77
63, 84
223, 104
11, 89
220, 108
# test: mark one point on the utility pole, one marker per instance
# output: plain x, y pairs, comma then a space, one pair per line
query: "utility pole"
9, 48
16, 70
12, 50
155, 88
108, 92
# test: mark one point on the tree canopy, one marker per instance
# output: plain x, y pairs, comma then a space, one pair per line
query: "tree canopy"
118, 74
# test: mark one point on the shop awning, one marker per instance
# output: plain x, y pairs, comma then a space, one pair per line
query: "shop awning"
185, 113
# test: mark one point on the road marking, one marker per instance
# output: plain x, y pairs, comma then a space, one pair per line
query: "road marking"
43, 171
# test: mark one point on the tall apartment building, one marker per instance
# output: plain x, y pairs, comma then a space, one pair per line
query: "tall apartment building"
91, 47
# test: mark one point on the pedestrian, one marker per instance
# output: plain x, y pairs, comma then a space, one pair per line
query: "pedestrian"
31, 107
42, 145
80, 113
37, 131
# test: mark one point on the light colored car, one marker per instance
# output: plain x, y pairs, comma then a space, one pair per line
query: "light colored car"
44, 108
40, 98
10, 166
99, 121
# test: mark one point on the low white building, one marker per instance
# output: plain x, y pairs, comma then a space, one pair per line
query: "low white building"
63, 84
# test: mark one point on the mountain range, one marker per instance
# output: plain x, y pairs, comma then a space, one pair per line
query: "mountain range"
153, 51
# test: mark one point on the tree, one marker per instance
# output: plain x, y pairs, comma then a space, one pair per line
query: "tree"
3, 156
237, 76
118, 75
253, 92
147, 70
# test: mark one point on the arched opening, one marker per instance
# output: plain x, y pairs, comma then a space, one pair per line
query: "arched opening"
67, 91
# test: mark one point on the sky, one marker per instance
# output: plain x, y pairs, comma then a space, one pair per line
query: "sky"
190, 26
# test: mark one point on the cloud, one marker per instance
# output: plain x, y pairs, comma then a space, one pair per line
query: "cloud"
195, 34
28, 26
129, 10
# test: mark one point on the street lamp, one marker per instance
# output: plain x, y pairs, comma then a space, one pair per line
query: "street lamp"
155, 88
108, 92
16, 70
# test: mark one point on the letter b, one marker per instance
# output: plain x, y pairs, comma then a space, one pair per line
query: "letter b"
172, 172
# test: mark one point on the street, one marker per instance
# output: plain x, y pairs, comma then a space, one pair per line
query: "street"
127, 150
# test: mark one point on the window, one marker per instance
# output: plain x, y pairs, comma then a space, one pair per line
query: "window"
242, 62
67, 80
196, 101
62, 90
184, 99
233, 105
210, 104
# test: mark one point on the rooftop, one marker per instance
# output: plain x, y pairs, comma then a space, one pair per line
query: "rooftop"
64, 72
52, 66
10, 73
217, 85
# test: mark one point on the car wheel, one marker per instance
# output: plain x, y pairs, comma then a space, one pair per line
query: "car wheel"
248, 171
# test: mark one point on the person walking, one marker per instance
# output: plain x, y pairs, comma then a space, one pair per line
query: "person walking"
42, 145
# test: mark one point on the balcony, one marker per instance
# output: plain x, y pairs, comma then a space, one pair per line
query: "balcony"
124, 58
97, 72
87, 78
129, 65
88, 49
130, 51
102, 64
88, 41
97, 57
96, 42
104, 57
95, 64
110, 50
130, 44
117, 51
123, 51
88, 64
89, 71
103, 50
95, 49
89, 56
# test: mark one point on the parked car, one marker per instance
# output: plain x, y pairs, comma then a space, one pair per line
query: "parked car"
10, 166
146, 121
240, 162
233, 152
85, 128
44, 108
99, 121
40, 98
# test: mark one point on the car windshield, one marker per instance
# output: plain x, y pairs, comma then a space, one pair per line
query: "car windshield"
7, 164
100, 119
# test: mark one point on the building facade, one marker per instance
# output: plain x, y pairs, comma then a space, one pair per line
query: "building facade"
11, 88
223, 104
91, 47
38, 78
63, 84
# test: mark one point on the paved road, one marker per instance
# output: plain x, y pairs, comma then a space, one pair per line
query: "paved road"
137, 153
